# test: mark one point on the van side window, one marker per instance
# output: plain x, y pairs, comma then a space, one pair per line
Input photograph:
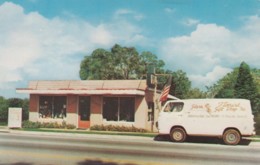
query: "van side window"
174, 107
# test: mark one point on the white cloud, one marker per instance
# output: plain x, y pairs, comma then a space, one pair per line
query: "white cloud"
169, 10
199, 51
35, 47
191, 22
210, 78
122, 13
210, 45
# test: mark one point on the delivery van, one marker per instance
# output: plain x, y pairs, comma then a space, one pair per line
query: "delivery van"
229, 119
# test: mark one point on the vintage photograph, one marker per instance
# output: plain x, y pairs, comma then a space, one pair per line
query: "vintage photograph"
129, 82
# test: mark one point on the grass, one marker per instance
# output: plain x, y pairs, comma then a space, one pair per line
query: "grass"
89, 132
3, 123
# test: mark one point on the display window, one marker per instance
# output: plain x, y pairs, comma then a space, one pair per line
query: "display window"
52, 106
119, 109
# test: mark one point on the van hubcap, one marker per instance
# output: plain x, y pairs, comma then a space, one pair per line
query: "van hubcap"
231, 138
177, 135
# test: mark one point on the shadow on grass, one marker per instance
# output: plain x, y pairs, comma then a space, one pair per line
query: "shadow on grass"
196, 139
100, 162
18, 163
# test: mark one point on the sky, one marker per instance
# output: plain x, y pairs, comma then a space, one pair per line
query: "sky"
47, 39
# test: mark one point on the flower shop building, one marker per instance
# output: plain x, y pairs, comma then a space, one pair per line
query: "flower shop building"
85, 103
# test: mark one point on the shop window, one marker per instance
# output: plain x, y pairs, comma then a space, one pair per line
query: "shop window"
52, 107
119, 108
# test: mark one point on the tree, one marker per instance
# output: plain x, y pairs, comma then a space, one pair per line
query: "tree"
181, 84
3, 109
98, 66
146, 58
13, 102
119, 63
256, 76
126, 60
22, 103
245, 86
196, 93
227, 85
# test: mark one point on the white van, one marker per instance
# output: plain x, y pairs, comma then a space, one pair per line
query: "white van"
230, 119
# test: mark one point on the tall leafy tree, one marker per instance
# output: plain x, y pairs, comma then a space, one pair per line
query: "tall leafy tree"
227, 85
256, 76
146, 58
13, 102
195, 93
245, 86
99, 66
181, 85
3, 109
22, 103
126, 61
119, 63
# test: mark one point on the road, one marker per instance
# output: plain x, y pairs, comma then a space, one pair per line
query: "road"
64, 149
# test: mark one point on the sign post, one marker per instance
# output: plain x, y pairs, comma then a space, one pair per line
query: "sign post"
14, 117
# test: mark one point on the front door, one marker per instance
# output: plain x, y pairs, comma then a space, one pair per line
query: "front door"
84, 112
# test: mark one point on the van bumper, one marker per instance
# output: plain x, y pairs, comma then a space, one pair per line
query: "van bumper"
248, 135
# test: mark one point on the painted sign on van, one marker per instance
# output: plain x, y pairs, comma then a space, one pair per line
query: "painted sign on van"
221, 106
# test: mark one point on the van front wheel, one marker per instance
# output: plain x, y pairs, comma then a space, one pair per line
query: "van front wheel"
178, 135
231, 137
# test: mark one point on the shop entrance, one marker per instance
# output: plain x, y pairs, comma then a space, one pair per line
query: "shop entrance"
84, 112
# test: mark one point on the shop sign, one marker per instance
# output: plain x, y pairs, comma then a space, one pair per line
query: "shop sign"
15, 117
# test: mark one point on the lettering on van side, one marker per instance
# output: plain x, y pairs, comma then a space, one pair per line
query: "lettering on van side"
229, 107
214, 112
202, 107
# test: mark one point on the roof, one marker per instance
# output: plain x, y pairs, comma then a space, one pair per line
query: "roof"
98, 87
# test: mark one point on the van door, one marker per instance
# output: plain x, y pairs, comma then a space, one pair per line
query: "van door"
171, 115
198, 120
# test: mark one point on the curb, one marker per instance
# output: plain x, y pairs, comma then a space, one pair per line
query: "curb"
79, 134
75, 134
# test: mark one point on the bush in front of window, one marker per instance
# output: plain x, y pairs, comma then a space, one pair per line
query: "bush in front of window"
64, 125
30, 124
116, 128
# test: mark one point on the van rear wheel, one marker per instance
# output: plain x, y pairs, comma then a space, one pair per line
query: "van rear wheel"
178, 135
231, 137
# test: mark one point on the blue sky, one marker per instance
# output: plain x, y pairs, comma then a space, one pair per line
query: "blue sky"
47, 39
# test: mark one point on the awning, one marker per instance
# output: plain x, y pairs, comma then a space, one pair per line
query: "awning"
83, 92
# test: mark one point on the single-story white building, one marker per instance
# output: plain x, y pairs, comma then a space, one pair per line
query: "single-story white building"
85, 103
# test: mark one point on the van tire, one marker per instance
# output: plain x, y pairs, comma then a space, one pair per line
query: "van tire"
231, 137
178, 134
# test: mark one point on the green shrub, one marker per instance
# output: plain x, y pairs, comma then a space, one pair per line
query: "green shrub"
116, 128
30, 124
70, 126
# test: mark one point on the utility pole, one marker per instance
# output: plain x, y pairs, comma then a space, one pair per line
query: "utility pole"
152, 84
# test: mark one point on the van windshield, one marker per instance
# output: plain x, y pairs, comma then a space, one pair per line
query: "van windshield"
174, 107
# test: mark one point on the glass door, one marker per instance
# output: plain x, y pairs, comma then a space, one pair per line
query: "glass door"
84, 112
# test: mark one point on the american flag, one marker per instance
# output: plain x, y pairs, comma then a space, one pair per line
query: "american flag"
166, 89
